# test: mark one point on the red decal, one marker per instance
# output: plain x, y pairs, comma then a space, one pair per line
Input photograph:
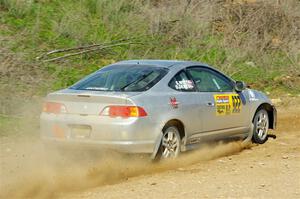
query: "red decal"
173, 102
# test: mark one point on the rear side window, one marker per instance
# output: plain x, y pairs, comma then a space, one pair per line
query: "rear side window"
125, 78
181, 82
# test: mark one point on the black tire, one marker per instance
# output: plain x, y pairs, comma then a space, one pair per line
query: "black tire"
261, 127
169, 146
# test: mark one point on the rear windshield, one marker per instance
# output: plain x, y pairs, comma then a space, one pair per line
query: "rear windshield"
122, 78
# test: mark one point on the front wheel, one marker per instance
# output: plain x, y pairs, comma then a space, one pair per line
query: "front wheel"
170, 143
261, 126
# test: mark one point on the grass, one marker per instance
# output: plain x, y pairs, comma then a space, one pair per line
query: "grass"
166, 31
18, 126
8, 124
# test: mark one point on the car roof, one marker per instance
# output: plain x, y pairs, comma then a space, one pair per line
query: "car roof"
160, 63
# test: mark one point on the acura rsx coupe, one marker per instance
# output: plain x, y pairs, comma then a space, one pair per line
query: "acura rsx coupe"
157, 107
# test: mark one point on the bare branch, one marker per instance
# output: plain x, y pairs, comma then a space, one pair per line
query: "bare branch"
188, 2
89, 50
11, 116
80, 48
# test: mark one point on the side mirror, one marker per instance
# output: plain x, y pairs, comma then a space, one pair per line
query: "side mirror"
240, 86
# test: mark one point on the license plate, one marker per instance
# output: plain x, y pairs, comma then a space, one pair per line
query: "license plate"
81, 131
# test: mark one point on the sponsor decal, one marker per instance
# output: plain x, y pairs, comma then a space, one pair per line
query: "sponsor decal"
184, 84
252, 96
227, 104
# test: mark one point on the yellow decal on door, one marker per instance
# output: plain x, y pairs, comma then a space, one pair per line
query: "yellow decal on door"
227, 104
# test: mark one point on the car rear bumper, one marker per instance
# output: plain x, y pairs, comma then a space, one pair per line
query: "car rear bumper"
131, 135
120, 146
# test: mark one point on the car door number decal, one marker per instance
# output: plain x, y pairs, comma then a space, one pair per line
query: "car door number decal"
227, 104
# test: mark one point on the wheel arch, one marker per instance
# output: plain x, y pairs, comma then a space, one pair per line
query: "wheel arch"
272, 113
179, 124
171, 122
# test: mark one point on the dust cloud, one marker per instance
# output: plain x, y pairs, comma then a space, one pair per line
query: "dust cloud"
46, 175
29, 170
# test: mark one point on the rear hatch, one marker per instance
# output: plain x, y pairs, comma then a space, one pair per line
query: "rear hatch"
84, 102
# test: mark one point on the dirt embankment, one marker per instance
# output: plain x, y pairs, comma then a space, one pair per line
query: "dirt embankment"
228, 170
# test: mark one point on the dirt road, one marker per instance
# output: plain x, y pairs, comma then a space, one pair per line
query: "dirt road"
228, 170
271, 170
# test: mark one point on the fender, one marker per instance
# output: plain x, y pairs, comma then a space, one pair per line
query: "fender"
181, 129
157, 145
272, 113
259, 100
274, 117
249, 137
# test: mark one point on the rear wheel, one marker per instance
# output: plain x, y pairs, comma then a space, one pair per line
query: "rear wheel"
170, 143
261, 127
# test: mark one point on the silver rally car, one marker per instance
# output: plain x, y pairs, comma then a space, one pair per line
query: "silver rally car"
155, 106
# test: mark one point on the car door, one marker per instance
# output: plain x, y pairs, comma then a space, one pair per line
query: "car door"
184, 99
222, 108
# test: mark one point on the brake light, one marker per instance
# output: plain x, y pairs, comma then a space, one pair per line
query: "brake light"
124, 111
54, 107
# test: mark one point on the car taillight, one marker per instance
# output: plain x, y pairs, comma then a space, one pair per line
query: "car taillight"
54, 107
124, 111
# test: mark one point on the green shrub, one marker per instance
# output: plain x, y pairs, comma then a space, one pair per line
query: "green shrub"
208, 31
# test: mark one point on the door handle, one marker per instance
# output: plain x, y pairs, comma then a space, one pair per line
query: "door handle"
210, 104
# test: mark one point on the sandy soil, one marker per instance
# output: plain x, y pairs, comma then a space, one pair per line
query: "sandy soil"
227, 170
